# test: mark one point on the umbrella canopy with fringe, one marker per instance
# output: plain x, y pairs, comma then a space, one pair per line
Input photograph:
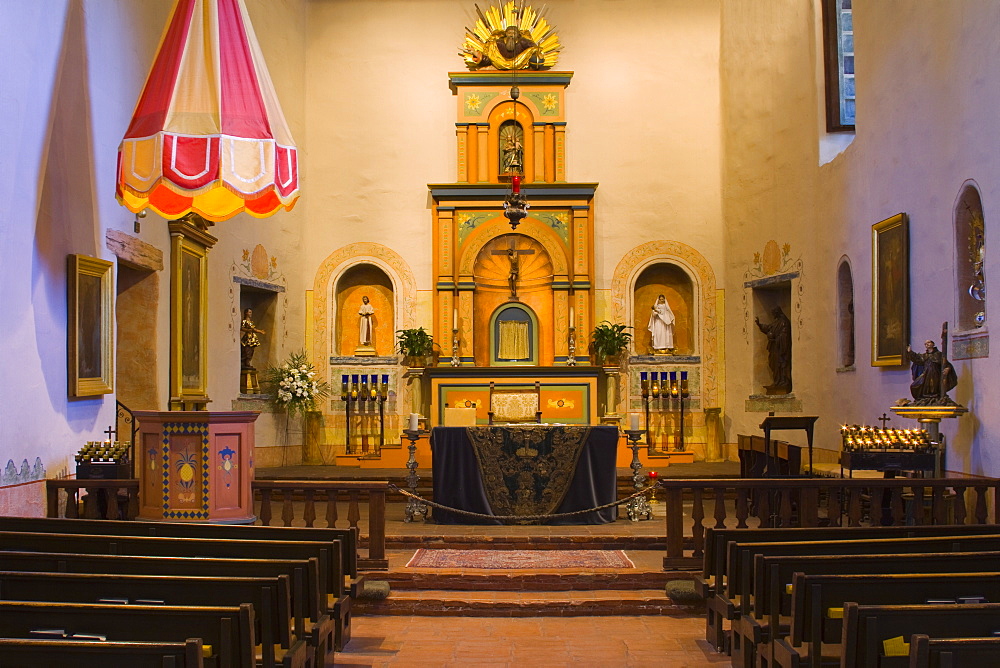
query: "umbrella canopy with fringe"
207, 135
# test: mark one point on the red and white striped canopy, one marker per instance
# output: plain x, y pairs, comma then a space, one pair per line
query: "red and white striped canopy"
207, 134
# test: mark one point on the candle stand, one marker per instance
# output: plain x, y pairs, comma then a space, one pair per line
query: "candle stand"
571, 356
356, 394
638, 508
456, 360
414, 507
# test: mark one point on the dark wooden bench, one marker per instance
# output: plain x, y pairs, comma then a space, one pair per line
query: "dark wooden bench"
953, 652
347, 537
330, 626
771, 605
227, 630
712, 583
269, 596
304, 574
866, 627
30, 653
818, 602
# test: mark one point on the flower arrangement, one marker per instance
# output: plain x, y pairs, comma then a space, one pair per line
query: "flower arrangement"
293, 386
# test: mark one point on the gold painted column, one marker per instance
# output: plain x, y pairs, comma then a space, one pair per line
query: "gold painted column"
465, 328
538, 129
483, 150
465, 161
560, 151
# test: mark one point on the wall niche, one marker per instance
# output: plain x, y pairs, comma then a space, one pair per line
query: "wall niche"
767, 302
357, 282
845, 316
971, 340
675, 284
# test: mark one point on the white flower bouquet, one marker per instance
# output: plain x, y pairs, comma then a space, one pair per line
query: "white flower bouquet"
293, 385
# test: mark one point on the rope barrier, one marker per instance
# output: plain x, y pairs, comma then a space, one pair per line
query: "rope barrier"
515, 518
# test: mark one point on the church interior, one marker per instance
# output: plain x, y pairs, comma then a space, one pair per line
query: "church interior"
667, 227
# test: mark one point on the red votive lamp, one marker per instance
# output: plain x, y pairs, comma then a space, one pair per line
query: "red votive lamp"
653, 475
515, 183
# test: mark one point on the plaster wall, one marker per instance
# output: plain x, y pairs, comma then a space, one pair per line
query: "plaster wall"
73, 72
927, 96
643, 120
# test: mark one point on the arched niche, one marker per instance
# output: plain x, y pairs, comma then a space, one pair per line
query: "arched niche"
511, 114
359, 281
491, 272
675, 284
845, 315
503, 350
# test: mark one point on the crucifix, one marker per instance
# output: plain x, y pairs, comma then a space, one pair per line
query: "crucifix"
513, 254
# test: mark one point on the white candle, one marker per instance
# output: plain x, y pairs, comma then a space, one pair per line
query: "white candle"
572, 320
414, 425
633, 422
454, 322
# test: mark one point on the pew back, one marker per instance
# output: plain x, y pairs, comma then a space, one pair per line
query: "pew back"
30, 653
953, 652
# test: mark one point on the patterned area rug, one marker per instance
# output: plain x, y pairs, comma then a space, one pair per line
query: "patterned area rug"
520, 559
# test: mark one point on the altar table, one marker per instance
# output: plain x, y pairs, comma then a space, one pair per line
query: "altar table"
458, 480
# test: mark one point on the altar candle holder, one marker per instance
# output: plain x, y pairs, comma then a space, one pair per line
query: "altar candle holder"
354, 387
344, 388
656, 385
414, 507
637, 508
653, 477
681, 392
363, 392
644, 388
455, 359
571, 345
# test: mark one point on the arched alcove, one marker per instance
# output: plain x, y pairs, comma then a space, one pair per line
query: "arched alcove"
514, 336
359, 281
675, 284
970, 251
845, 315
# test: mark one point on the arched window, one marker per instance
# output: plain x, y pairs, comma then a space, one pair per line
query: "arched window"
838, 40
845, 315
970, 248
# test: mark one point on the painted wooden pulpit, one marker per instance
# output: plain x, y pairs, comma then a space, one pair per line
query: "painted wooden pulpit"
196, 466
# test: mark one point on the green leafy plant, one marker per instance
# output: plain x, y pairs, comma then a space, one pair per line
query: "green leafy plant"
415, 343
609, 340
293, 386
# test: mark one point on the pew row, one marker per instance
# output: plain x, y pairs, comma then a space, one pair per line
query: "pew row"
31, 653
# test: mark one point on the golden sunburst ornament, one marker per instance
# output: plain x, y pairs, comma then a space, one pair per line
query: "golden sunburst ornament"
508, 37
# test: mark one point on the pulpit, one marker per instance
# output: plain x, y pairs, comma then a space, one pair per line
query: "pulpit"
195, 466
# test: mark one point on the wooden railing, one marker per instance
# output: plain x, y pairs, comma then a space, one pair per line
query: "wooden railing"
290, 494
310, 493
810, 502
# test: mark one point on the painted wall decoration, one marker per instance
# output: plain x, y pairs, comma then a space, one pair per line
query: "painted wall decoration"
12, 475
777, 262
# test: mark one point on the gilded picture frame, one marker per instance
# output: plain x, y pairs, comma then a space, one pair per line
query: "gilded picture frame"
890, 290
188, 316
90, 330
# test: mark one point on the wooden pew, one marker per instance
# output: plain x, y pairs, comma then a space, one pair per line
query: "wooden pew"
25, 653
711, 584
304, 574
867, 626
269, 596
746, 635
772, 603
228, 630
818, 602
953, 652
347, 537
326, 553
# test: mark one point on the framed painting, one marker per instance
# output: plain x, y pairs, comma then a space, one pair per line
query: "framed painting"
188, 316
90, 356
890, 291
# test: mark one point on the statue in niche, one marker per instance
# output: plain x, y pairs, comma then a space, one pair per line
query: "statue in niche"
779, 351
933, 376
249, 339
661, 326
365, 327
512, 160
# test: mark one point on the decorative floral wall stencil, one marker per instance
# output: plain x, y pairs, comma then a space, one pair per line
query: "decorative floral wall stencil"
27, 473
227, 464
777, 262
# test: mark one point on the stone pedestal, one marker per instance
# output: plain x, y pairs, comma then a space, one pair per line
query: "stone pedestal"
195, 466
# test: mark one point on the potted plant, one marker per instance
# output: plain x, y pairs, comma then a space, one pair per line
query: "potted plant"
608, 341
416, 345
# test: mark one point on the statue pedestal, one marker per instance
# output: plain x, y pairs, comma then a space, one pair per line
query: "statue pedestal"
930, 418
195, 466
248, 381
364, 351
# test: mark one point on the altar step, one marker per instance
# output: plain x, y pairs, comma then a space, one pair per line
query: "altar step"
478, 603
527, 542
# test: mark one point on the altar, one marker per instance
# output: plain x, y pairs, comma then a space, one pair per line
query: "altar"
531, 467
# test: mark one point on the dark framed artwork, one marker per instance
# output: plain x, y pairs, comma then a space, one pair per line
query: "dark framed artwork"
890, 291
188, 316
89, 340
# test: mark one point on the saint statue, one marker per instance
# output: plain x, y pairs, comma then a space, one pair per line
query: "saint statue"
248, 339
933, 376
779, 351
661, 325
513, 156
366, 329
